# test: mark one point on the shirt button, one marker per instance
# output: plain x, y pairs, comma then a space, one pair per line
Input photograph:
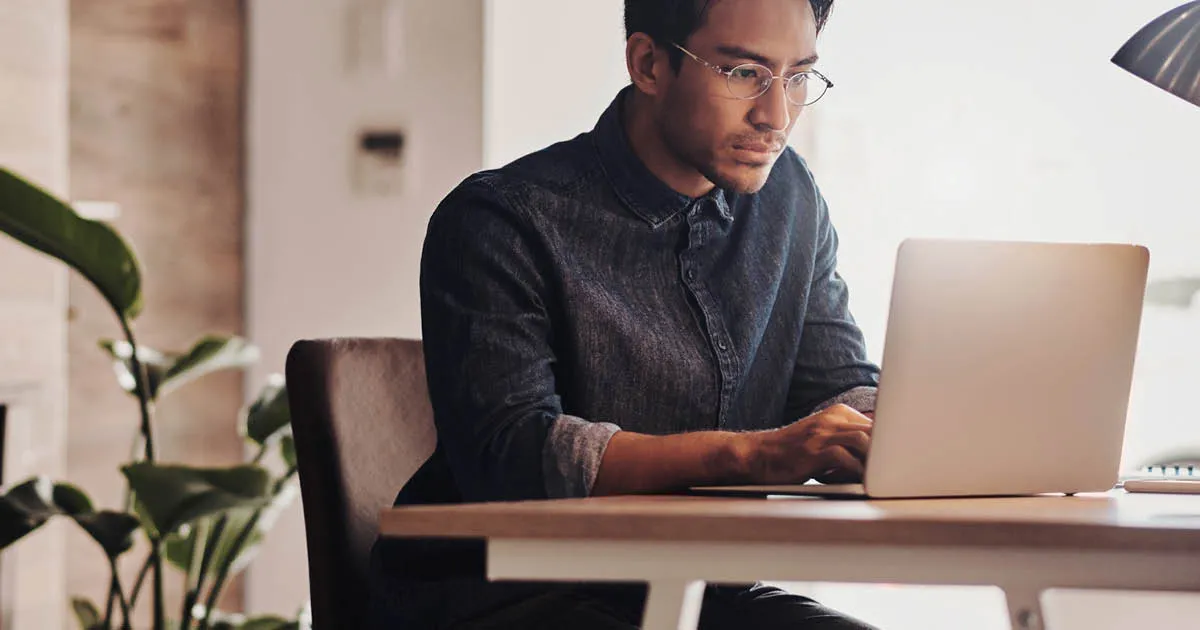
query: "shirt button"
691, 274
722, 346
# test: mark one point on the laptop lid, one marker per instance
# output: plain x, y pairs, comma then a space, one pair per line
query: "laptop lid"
1006, 368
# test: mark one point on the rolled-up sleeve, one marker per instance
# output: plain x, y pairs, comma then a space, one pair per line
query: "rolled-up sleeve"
488, 335
831, 365
860, 399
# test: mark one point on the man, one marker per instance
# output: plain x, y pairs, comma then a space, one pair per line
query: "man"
651, 305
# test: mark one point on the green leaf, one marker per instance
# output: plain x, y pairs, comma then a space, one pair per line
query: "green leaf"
154, 362
208, 355
265, 523
86, 613
167, 371
176, 495
221, 620
70, 499
144, 518
179, 546
29, 505
238, 521
42, 221
226, 621
113, 530
287, 450
269, 414
269, 622
25, 508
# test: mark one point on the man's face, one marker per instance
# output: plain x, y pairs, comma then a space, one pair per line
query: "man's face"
734, 142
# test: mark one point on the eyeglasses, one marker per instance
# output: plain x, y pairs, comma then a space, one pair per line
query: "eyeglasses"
751, 80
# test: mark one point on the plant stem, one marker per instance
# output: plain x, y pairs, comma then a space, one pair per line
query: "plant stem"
108, 607
223, 572
160, 618
147, 432
116, 586
262, 452
142, 390
137, 585
193, 594
138, 445
199, 536
282, 481
235, 550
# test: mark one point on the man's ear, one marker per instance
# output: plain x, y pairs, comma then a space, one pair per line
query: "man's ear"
646, 63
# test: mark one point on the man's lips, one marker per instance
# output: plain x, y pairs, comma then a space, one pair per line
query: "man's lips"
758, 147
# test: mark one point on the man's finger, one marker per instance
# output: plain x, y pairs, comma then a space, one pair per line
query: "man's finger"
849, 415
839, 477
838, 424
839, 459
857, 442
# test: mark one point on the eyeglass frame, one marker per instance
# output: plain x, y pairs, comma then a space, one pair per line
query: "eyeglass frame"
728, 74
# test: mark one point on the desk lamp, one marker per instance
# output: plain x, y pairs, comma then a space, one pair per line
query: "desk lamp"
1167, 52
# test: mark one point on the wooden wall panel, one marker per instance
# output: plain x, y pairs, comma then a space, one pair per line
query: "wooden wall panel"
156, 126
33, 143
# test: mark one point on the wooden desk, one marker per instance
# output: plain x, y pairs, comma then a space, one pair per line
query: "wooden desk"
1023, 545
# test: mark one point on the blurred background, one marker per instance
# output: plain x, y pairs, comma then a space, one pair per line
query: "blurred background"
274, 163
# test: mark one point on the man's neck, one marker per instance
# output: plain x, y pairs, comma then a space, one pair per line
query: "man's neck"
647, 143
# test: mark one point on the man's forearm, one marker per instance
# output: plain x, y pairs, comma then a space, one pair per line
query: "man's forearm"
830, 444
637, 463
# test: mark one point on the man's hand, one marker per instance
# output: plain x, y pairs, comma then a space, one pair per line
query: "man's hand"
829, 446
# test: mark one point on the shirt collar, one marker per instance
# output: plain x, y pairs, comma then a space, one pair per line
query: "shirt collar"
639, 189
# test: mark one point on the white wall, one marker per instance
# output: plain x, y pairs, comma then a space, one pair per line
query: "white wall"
552, 69
322, 261
1007, 120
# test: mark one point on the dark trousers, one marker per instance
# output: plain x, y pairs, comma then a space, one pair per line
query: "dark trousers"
620, 608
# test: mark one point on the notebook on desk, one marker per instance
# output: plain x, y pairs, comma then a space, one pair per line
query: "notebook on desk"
1006, 371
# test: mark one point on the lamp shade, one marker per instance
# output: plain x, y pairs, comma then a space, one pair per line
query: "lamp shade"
1167, 52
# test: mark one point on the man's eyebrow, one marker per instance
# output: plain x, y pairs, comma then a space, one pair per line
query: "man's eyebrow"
737, 52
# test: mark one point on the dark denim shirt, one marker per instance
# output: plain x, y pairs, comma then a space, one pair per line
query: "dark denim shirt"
572, 294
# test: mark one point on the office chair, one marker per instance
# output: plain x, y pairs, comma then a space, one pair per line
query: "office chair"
363, 425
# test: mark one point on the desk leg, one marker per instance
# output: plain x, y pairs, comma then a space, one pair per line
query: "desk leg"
673, 605
1024, 608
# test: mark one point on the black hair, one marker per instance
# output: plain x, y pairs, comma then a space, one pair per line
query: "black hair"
673, 21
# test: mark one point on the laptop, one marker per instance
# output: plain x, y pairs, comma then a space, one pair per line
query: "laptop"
1006, 371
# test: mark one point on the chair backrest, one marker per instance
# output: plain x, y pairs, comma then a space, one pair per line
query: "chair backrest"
363, 426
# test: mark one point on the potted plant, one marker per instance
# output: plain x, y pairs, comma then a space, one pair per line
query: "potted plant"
205, 522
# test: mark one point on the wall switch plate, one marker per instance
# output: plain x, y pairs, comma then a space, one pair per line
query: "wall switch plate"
380, 167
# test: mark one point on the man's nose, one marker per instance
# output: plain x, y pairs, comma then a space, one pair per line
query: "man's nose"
772, 108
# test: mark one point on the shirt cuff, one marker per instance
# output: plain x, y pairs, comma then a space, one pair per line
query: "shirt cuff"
861, 399
572, 454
